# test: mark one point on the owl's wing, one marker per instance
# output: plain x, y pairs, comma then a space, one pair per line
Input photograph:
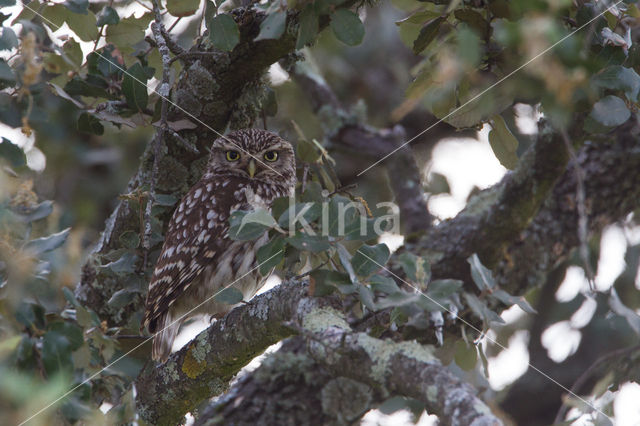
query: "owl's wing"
196, 237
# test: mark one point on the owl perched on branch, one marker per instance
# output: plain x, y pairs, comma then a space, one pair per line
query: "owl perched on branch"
247, 170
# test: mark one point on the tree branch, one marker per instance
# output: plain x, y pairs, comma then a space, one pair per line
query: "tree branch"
343, 130
291, 388
204, 367
611, 169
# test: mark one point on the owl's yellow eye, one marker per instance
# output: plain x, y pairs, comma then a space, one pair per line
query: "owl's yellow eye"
232, 155
271, 155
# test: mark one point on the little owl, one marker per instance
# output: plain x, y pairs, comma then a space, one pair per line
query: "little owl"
247, 170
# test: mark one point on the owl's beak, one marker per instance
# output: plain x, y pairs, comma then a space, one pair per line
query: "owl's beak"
251, 169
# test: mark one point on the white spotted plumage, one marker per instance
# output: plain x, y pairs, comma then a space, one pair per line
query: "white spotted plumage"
198, 259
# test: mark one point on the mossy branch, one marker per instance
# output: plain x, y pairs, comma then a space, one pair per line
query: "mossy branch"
204, 367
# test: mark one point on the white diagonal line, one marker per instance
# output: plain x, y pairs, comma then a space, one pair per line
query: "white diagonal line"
485, 335
143, 342
487, 89
159, 94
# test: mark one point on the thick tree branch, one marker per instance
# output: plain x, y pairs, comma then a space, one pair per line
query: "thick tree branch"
204, 367
291, 388
611, 169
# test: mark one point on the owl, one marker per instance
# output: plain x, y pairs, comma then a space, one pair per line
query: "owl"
246, 170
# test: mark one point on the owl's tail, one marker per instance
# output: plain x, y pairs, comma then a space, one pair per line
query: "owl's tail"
163, 341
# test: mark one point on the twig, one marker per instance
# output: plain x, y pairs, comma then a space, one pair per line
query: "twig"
163, 91
184, 55
583, 218
580, 381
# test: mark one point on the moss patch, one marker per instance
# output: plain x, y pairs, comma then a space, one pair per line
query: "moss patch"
191, 366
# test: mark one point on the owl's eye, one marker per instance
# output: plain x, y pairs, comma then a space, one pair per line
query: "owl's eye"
271, 155
232, 155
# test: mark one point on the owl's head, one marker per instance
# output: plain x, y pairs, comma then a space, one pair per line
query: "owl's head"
253, 154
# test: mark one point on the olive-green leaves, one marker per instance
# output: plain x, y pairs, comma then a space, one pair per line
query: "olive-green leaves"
427, 33
347, 27
134, 87
273, 26
223, 32
369, 259
249, 225
229, 295
503, 143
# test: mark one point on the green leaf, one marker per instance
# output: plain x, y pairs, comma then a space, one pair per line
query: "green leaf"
88, 123
56, 352
223, 32
129, 239
466, 356
503, 143
308, 26
617, 77
83, 24
166, 200
71, 298
474, 20
38, 212
481, 275
230, 296
6, 73
442, 289
107, 16
610, 111
306, 242
13, 153
427, 33
77, 6
383, 284
345, 259
369, 259
30, 315
134, 87
299, 214
182, 7
399, 299
46, 244
480, 308
340, 213
417, 268
418, 17
366, 297
249, 225
347, 27
273, 26
509, 300
128, 31
8, 39
307, 151
122, 298
70, 330
326, 281
270, 254
126, 264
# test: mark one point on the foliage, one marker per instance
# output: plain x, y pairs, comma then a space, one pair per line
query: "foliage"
470, 62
